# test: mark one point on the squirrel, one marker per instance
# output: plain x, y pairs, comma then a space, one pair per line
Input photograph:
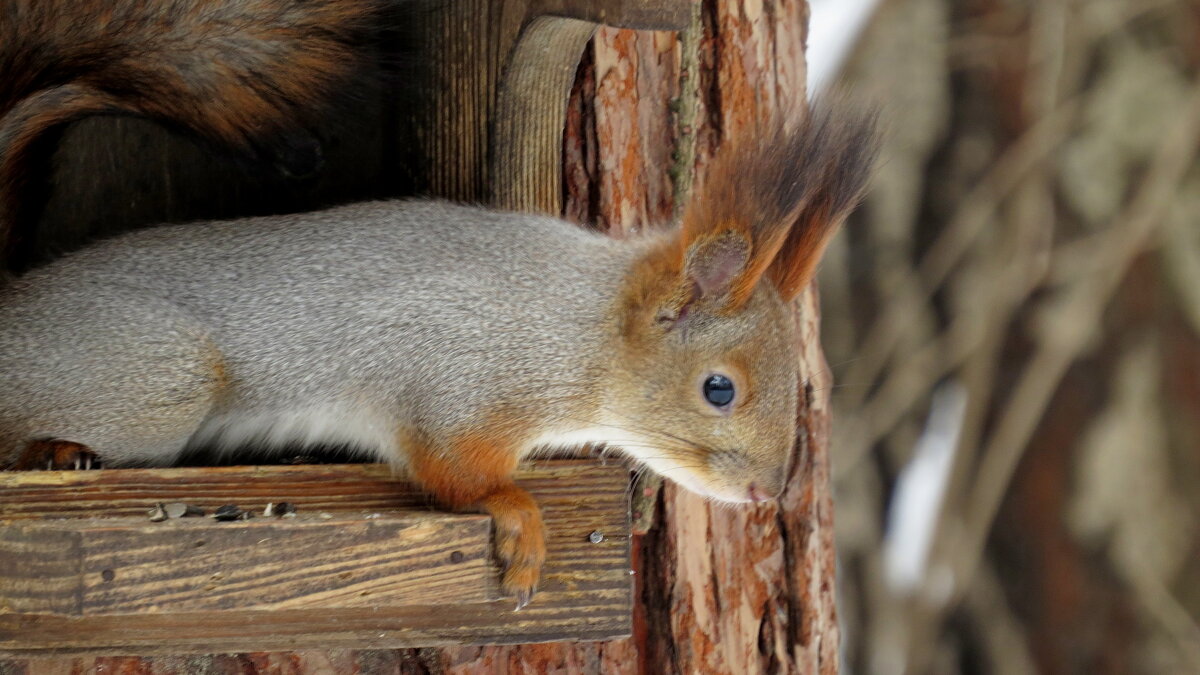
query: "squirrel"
450, 341
252, 78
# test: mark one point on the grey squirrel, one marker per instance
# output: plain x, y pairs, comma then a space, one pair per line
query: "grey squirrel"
450, 341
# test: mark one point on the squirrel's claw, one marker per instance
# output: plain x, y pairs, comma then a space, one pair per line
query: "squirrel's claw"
52, 455
523, 598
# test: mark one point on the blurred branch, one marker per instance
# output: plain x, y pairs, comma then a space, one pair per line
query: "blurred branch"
1158, 602
1182, 260
1102, 19
1001, 633
978, 209
1065, 334
919, 371
1010, 266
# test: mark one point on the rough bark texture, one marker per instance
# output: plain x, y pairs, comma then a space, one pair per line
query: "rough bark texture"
720, 590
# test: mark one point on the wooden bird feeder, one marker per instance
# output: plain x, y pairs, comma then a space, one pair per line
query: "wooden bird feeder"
365, 562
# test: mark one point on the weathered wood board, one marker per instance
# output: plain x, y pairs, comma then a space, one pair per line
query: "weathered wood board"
113, 566
367, 563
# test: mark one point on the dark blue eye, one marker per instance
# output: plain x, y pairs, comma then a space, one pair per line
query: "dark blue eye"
718, 390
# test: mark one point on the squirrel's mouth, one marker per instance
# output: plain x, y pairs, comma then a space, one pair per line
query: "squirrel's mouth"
719, 490
763, 489
684, 472
747, 495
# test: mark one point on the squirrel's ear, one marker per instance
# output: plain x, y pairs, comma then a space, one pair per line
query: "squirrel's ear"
769, 206
714, 264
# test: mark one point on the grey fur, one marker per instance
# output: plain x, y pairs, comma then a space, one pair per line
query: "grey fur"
384, 316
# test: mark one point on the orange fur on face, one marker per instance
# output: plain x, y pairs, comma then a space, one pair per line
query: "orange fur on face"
653, 287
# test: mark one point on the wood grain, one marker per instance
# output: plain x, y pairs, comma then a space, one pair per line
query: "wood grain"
636, 14
161, 597
489, 125
130, 566
528, 129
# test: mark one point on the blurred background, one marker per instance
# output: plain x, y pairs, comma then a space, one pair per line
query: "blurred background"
1013, 321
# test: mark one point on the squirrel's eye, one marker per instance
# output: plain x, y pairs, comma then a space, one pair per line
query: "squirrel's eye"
718, 390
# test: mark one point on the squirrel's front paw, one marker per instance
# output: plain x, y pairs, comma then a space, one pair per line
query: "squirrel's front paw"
519, 539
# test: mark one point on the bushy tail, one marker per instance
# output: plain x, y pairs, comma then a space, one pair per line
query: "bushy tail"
250, 76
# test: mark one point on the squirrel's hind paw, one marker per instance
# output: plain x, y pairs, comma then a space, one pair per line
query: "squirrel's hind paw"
519, 538
52, 455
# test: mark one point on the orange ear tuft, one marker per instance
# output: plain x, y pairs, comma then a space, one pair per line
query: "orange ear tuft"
840, 148
770, 205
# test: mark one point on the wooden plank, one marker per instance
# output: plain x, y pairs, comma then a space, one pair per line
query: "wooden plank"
334, 488
128, 565
387, 628
36, 571
115, 174
585, 591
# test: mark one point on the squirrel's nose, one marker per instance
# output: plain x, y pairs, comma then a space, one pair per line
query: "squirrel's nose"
766, 488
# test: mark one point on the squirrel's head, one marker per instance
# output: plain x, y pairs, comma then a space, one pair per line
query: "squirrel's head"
708, 381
